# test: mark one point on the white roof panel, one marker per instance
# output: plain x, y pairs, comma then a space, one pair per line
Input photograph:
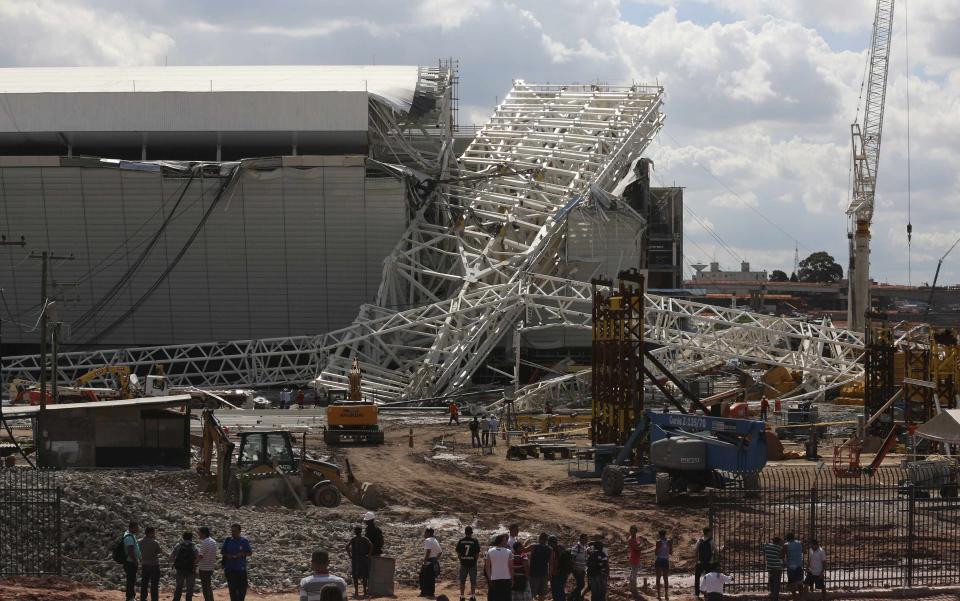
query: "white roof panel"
395, 84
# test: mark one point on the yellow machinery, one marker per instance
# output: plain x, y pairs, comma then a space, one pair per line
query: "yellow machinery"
353, 420
269, 471
122, 373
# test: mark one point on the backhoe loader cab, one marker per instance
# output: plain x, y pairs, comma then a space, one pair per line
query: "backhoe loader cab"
263, 448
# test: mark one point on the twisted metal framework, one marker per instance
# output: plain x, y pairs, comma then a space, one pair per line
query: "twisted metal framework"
474, 266
462, 261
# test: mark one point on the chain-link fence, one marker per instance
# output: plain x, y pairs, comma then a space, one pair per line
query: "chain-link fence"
29, 523
897, 528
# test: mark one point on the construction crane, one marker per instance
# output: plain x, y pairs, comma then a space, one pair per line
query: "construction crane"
866, 155
936, 276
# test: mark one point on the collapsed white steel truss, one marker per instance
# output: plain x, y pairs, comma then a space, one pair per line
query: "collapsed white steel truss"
474, 266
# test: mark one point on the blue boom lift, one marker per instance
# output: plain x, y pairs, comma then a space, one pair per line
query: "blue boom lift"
688, 453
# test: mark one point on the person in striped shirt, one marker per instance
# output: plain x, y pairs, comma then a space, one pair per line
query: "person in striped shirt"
773, 556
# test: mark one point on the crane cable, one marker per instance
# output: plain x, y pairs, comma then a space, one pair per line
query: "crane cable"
906, 45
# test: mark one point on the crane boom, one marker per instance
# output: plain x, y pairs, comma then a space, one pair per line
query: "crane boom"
865, 140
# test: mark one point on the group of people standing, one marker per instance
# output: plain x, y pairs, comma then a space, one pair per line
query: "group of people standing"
143, 556
483, 431
517, 570
779, 554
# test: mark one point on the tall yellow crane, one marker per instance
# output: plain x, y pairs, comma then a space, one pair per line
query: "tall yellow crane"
865, 139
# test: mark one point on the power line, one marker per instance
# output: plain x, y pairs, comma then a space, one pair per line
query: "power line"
706, 227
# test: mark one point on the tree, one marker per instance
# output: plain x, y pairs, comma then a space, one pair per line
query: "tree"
820, 267
778, 276
793, 277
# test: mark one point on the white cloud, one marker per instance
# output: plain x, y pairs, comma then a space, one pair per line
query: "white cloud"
760, 93
51, 32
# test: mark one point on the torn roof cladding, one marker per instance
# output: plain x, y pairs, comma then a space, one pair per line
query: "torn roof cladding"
395, 84
24, 411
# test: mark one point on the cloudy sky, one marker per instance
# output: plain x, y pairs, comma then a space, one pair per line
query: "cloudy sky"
760, 93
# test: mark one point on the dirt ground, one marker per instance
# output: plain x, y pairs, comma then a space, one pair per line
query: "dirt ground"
441, 480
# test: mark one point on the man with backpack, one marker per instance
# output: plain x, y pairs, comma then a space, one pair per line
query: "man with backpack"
127, 552
704, 556
184, 558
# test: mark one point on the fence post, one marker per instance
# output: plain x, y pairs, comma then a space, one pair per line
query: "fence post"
911, 509
710, 512
59, 541
813, 513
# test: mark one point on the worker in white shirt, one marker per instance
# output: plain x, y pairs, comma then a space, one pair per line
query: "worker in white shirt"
711, 583
431, 564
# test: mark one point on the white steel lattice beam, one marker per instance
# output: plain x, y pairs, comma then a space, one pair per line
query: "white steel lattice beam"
497, 219
477, 260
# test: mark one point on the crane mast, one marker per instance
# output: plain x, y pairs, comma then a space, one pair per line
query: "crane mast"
866, 155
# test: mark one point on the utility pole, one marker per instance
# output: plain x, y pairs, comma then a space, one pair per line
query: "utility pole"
5, 242
46, 257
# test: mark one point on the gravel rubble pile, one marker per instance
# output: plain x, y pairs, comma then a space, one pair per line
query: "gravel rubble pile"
96, 506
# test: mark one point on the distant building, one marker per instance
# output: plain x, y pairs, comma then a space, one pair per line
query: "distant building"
715, 274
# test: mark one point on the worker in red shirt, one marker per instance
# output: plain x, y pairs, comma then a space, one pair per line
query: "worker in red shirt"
454, 414
301, 397
764, 407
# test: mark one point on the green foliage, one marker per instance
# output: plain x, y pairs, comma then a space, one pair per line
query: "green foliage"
778, 276
820, 267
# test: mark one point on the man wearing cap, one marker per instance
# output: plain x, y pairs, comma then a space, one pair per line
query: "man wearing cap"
374, 534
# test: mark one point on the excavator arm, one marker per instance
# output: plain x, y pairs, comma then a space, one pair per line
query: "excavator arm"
215, 438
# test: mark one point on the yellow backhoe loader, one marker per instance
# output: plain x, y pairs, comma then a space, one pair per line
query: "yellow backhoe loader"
270, 471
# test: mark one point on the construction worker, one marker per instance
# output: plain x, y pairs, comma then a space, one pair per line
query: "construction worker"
764, 408
301, 397
475, 433
484, 432
358, 550
373, 533
454, 414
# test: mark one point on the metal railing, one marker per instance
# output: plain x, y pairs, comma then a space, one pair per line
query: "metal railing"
30, 529
898, 528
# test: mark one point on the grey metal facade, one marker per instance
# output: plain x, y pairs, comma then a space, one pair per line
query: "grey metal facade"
295, 249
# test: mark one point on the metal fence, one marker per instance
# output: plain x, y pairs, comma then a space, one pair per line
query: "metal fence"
898, 528
29, 523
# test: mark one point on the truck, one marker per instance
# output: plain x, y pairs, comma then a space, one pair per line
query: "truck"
687, 452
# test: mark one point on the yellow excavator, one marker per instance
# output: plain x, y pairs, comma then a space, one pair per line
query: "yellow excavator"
353, 419
270, 471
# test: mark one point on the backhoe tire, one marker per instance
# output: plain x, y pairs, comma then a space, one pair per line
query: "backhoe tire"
612, 480
663, 495
326, 495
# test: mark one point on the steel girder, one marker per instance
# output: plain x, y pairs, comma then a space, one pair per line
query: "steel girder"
498, 218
